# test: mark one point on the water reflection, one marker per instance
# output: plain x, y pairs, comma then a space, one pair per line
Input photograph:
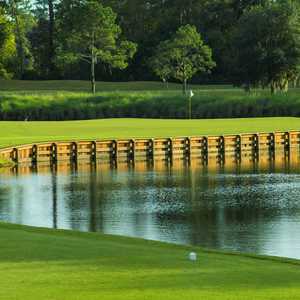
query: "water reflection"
253, 209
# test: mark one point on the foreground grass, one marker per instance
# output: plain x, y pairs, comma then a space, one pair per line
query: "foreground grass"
58, 265
16, 133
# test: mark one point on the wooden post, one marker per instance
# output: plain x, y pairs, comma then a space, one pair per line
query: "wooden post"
221, 150
238, 148
93, 151
114, 151
205, 150
131, 151
34, 154
287, 141
53, 167
170, 149
187, 148
287, 145
255, 147
150, 149
74, 152
15, 155
271, 139
271, 142
53, 153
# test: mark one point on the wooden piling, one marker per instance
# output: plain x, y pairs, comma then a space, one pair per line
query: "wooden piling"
34, 154
114, 150
53, 153
131, 150
15, 155
93, 151
187, 149
150, 149
74, 152
205, 150
169, 149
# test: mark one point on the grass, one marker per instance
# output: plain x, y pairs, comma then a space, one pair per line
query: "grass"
54, 265
16, 133
61, 265
135, 99
85, 86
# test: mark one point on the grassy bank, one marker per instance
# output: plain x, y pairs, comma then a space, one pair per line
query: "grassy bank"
53, 265
16, 133
138, 99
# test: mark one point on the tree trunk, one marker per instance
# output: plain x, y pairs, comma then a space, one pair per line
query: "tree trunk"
273, 87
184, 86
93, 62
93, 80
51, 50
190, 108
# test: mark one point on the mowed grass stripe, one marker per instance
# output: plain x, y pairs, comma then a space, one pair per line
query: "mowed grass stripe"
17, 133
53, 265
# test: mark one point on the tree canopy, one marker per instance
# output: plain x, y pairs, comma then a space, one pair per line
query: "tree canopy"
184, 55
7, 44
267, 45
90, 34
252, 42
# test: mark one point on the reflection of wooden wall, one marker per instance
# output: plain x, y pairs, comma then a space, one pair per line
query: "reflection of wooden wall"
209, 150
247, 163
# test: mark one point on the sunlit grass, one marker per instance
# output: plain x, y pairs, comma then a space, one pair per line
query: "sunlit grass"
15, 133
43, 264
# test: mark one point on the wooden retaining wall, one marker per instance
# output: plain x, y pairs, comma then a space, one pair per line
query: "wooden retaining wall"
187, 148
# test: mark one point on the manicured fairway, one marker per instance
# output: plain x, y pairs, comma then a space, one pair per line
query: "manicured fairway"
14, 133
40, 264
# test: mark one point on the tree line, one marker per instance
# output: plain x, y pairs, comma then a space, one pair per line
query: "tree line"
250, 43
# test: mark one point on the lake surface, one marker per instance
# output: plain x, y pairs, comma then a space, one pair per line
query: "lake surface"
256, 209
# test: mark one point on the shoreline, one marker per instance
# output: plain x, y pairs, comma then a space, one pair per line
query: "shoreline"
87, 234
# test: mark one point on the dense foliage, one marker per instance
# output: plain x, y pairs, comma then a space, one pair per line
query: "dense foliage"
89, 33
229, 103
268, 46
253, 42
7, 44
182, 56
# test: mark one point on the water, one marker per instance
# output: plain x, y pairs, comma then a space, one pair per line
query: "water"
254, 210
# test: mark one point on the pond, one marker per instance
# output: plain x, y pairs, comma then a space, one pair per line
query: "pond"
255, 209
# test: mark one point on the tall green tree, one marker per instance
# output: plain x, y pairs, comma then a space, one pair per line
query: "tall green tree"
160, 63
7, 44
183, 56
91, 34
267, 46
19, 12
43, 37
